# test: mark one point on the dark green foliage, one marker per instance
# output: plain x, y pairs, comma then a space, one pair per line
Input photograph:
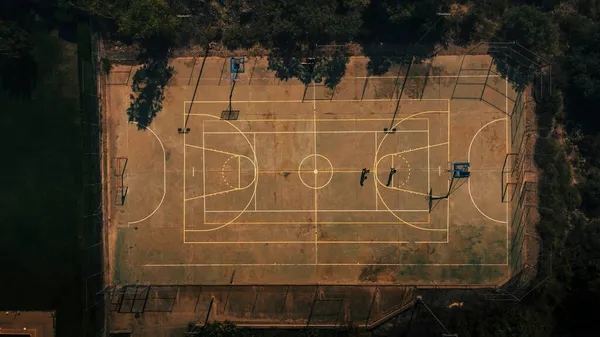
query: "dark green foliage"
590, 195
532, 29
335, 68
329, 67
548, 108
18, 70
148, 91
582, 85
106, 66
144, 19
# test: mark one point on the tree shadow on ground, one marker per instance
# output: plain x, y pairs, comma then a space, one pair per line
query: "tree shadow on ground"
327, 67
148, 85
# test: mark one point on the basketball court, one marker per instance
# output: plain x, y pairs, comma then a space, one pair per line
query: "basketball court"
307, 185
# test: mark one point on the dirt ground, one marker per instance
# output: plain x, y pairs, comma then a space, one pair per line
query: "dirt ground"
275, 196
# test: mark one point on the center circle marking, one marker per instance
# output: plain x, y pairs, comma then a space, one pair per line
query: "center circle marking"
308, 164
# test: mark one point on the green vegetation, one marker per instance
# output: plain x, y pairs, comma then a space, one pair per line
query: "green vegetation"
42, 210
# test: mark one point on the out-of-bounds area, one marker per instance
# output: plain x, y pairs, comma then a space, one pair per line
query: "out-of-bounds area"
274, 195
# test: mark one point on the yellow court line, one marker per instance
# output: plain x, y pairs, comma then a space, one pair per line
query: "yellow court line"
324, 119
321, 210
308, 131
375, 178
506, 125
203, 173
374, 78
254, 196
179, 265
420, 148
162, 199
302, 242
214, 194
239, 172
448, 183
315, 168
255, 181
410, 150
320, 222
325, 101
184, 173
376, 162
428, 159
304, 171
219, 151
404, 190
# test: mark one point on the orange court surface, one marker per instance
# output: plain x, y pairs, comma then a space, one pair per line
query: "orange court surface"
275, 196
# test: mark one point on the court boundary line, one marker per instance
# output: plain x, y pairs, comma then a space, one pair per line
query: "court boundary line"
321, 264
359, 77
314, 120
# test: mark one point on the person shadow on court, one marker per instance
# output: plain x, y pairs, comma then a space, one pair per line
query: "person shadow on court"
392, 171
363, 176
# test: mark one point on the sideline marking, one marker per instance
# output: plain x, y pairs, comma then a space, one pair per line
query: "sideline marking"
254, 197
321, 210
428, 160
316, 172
469, 160
507, 151
375, 176
300, 101
184, 189
164, 177
320, 264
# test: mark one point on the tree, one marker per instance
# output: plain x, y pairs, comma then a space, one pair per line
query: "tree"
335, 68
146, 19
532, 29
18, 69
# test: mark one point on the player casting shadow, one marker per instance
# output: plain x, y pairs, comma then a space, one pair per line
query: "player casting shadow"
148, 85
